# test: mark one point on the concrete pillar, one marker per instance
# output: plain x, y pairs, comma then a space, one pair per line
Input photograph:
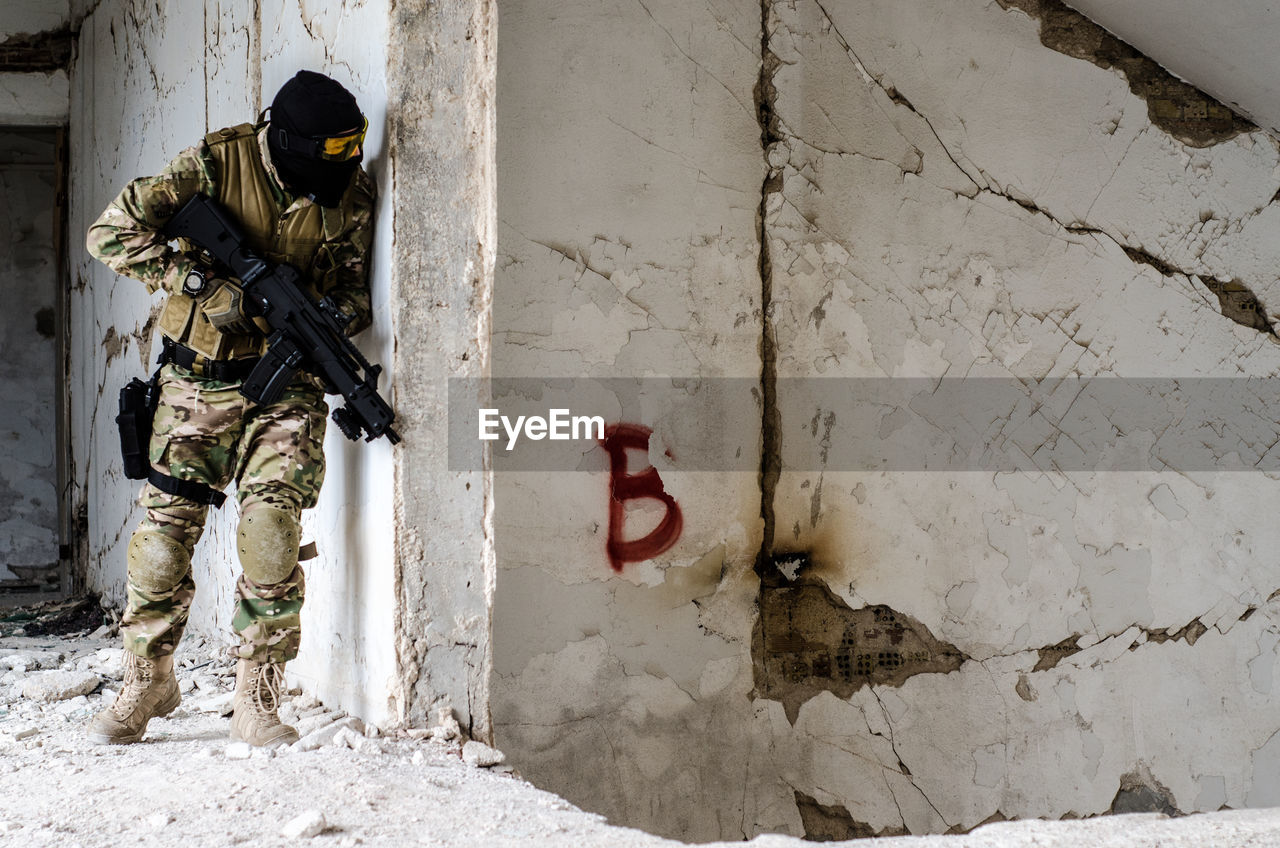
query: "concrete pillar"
441, 77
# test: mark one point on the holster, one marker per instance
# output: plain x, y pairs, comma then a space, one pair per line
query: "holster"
138, 402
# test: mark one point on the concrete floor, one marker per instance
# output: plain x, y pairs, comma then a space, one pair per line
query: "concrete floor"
185, 784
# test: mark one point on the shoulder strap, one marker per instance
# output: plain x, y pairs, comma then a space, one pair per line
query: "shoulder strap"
229, 133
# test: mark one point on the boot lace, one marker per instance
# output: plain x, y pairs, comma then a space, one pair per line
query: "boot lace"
138, 674
265, 683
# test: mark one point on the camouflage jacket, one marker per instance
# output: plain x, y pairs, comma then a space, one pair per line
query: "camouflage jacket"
127, 238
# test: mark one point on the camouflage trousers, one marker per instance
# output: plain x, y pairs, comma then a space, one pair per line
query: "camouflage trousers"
206, 430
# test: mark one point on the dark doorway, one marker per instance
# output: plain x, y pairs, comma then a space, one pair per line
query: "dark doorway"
33, 519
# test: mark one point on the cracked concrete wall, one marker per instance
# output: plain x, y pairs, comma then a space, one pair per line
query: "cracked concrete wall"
28, 358
942, 195
629, 169
147, 81
959, 199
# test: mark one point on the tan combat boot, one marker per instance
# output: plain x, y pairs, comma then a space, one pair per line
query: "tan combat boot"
257, 698
150, 690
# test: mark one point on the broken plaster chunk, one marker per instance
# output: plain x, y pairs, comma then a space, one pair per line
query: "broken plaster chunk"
305, 826
348, 737
447, 727
306, 725
28, 660
344, 738
481, 755
778, 154
218, 704
325, 735
50, 686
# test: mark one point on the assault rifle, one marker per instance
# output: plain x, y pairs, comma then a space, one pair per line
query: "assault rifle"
305, 333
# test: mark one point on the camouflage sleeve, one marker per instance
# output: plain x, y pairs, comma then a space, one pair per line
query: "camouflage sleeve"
347, 279
126, 237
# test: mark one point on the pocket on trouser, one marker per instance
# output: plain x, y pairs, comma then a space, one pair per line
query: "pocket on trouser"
195, 431
268, 618
284, 448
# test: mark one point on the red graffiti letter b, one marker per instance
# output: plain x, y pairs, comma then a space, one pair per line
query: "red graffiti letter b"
618, 439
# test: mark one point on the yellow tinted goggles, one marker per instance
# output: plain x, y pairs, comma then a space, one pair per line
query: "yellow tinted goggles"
335, 148
340, 148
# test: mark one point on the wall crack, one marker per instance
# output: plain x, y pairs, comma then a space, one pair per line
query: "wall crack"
765, 94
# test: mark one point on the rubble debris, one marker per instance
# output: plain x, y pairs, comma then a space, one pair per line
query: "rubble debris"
79, 615
305, 826
49, 686
481, 755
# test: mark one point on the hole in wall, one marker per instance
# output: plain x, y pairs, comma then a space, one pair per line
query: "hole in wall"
807, 640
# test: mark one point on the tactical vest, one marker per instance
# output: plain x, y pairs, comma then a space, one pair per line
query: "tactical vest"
298, 237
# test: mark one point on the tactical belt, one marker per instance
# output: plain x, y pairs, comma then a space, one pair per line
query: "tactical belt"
222, 370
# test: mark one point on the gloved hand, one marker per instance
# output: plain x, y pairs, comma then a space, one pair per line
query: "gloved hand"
224, 307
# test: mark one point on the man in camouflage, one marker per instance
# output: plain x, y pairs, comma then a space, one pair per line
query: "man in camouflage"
296, 187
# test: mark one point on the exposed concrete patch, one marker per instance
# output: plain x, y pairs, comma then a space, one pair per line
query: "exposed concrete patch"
808, 640
1235, 299
1140, 792
1179, 108
1239, 304
45, 51
823, 823
1189, 633
147, 334
1051, 655
112, 343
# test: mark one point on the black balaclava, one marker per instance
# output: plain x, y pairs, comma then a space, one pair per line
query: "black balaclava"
315, 106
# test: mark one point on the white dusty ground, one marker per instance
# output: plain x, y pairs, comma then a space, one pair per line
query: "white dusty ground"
183, 785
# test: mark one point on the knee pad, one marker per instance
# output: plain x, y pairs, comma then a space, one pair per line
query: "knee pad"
268, 543
157, 562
